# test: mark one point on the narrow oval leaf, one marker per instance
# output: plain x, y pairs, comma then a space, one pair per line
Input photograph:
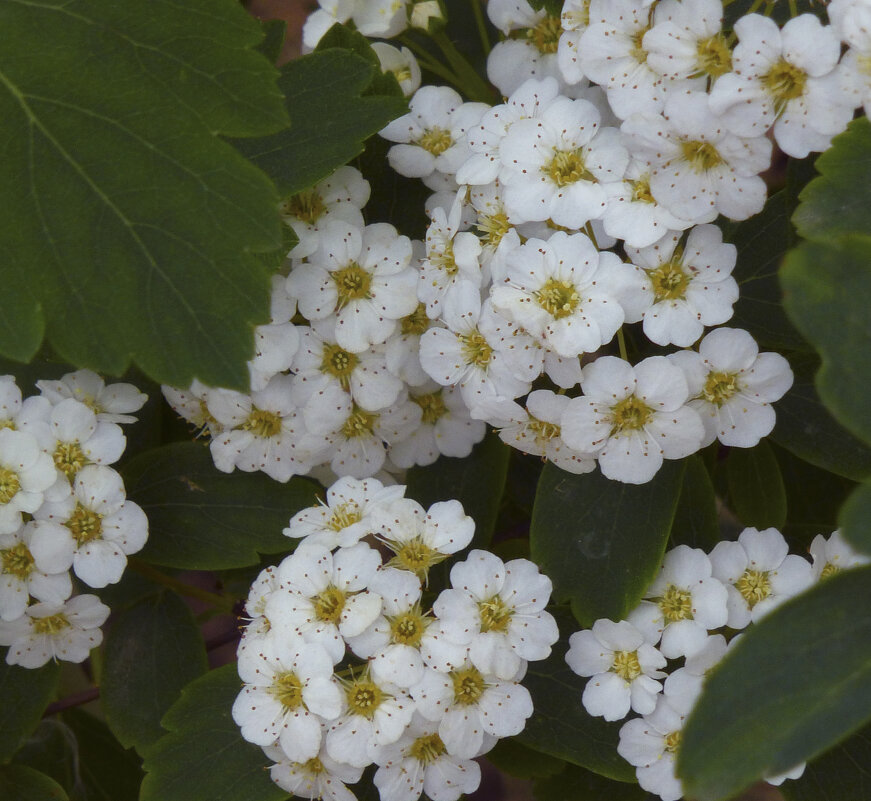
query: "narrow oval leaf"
756, 489
202, 519
795, 684
600, 541
477, 482
204, 758
129, 226
695, 519
20, 783
25, 694
855, 518
153, 650
826, 289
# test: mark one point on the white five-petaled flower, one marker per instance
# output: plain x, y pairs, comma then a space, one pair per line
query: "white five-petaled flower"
111, 404
25, 474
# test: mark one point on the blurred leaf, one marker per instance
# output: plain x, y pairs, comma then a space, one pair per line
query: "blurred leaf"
517, 760
274, 31
204, 757
20, 783
202, 519
52, 749
695, 519
827, 289
796, 683
26, 694
756, 490
477, 482
577, 784
153, 650
601, 541
855, 518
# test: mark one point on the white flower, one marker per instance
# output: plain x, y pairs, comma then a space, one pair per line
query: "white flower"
112, 404
402, 63
191, 405
834, 554
574, 19
632, 418
10, 401
623, 667
497, 609
686, 601
318, 778
46, 631
381, 18
274, 348
684, 685
289, 689
758, 573
851, 20
25, 474
512, 62
732, 386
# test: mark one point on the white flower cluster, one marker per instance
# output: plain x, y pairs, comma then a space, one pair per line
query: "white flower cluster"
696, 602
62, 509
433, 685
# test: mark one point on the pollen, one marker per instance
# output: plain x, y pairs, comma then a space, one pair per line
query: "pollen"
445, 260
85, 525
344, 515
339, 363
546, 35
630, 414
558, 298
329, 604
672, 742
676, 604
9, 484
352, 283
360, 423
415, 556
415, 323
754, 586
435, 140
432, 407
567, 167
427, 749
702, 156
544, 432
408, 628
495, 614
287, 689
641, 190
69, 458
469, 686
476, 350
493, 227
17, 561
53, 624
784, 82
626, 665
262, 423
307, 206
364, 697
669, 281
719, 387
714, 56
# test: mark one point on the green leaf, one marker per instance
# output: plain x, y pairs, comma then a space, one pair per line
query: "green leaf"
129, 226
52, 750
204, 758
762, 241
343, 37
477, 482
202, 519
108, 771
274, 31
796, 683
601, 541
695, 519
855, 518
153, 650
552, 7
561, 727
20, 783
26, 694
577, 784
827, 288
842, 773
756, 489
331, 116
806, 428
839, 200
517, 760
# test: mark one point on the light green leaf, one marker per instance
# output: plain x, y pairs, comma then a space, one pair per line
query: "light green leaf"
796, 683
577, 784
695, 519
756, 489
601, 541
204, 758
477, 482
20, 783
517, 760
129, 227
827, 288
202, 519
153, 650
331, 115
26, 694
855, 518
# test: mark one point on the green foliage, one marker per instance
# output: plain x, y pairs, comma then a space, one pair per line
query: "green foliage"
146, 255
52, 750
600, 541
796, 683
344, 38
153, 650
25, 694
477, 482
274, 31
331, 114
695, 519
855, 518
202, 519
577, 784
204, 758
517, 760
756, 489
20, 783
552, 7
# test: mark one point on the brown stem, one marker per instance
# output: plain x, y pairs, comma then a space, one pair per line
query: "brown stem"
76, 699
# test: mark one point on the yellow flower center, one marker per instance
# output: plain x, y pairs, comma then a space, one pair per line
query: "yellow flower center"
435, 140
714, 56
262, 423
345, 515
558, 298
364, 697
630, 414
51, 624
493, 227
307, 206
9, 484
719, 387
672, 742
17, 561
352, 283
314, 767
567, 167
676, 604
544, 431
445, 260
641, 190
360, 423
784, 82
469, 686
754, 586
626, 665
329, 605
637, 51
829, 569
475, 349
702, 156
408, 628
339, 363
495, 615
287, 688
415, 556
427, 748
545, 36
416, 323
432, 407
669, 281
69, 458
85, 525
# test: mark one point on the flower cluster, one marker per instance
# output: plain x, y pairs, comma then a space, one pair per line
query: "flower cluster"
347, 661
655, 661
63, 510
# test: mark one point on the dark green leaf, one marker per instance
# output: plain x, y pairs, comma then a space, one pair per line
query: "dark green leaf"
827, 288
756, 489
517, 760
52, 750
26, 694
602, 541
152, 651
274, 31
477, 482
855, 518
561, 727
129, 226
330, 119
109, 772
202, 519
204, 758
695, 519
796, 683
577, 784
842, 773
343, 37
552, 7
779, 12
20, 783
839, 200
762, 242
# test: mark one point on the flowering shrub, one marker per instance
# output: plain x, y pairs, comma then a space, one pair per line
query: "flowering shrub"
515, 370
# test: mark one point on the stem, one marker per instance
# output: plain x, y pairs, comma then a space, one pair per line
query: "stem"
482, 25
76, 699
588, 229
472, 84
221, 602
427, 62
621, 341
